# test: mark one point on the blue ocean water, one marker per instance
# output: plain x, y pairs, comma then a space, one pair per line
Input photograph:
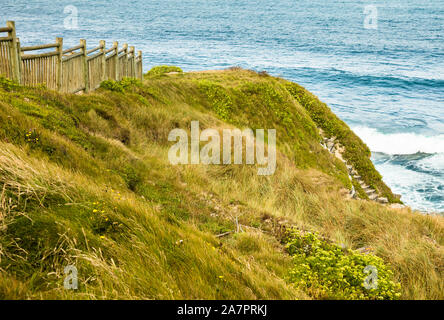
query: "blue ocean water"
386, 83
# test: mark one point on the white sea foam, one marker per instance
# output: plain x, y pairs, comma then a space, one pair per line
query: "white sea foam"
417, 189
418, 180
400, 143
435, 162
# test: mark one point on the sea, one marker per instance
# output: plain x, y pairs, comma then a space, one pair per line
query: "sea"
378, 64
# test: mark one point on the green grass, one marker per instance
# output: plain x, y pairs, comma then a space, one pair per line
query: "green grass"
85, 180
161, 70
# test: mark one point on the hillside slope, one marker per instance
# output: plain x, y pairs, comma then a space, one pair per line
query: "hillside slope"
86, 181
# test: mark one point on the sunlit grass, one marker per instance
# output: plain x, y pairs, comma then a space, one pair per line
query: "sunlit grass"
96, 191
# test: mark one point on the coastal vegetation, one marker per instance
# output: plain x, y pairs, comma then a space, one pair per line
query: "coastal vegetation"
85, 181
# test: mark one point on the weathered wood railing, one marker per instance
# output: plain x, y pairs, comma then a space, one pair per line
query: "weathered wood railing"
70, 70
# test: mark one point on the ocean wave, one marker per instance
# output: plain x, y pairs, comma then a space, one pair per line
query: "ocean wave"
418, 182
368, 77
400, 143
429, 164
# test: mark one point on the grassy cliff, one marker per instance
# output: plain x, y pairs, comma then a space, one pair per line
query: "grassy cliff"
85, 180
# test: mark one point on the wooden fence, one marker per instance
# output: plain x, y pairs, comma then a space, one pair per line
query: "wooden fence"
70, 70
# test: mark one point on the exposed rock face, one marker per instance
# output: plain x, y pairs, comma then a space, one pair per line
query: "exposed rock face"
335, 148
382, 200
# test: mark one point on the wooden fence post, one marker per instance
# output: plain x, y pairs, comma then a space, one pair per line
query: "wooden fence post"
116, 60
13, 53
85, 65
140, 72
59, 75
133, 62
19, 57
125, 61
102, 50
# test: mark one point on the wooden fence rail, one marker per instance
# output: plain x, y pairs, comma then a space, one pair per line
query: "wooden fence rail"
68, 70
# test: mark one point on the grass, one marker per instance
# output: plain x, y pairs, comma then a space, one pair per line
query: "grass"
161, 70
85, 180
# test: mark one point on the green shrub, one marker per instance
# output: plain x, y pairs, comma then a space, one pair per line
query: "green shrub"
120, 86
160, 70
8, 85
327, 271
130, 82
132, 177
218, 97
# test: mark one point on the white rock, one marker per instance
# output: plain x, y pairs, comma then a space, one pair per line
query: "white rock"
373, 196
383, 200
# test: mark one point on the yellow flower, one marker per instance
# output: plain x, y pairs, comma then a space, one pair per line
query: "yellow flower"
95, 210
102, 237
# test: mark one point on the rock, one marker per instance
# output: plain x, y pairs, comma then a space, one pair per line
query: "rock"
382, 200
364, 186
397, 196
372, 196
353, 192
357, 177
338, 155
369, 190
330, 145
